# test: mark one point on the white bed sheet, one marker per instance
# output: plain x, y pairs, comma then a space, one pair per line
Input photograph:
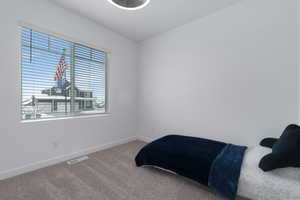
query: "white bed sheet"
279, 184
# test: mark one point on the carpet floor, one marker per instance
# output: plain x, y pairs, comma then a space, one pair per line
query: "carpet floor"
108, 175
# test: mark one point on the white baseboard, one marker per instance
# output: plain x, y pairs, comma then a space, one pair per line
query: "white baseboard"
144, 139
59, 159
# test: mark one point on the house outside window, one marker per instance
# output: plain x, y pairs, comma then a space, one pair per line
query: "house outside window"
60, 78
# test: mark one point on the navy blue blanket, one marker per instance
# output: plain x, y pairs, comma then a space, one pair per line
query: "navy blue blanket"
211, 163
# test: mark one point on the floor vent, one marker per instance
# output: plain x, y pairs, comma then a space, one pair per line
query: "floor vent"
77, 160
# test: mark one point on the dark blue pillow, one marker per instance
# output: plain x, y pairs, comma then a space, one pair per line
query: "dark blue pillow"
285, 151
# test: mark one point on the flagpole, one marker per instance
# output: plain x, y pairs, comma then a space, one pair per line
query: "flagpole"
60, 74
66, 103
65, 86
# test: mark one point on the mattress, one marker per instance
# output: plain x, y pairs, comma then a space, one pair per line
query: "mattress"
279, 184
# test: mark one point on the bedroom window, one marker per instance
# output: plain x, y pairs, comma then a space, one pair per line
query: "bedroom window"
60, 78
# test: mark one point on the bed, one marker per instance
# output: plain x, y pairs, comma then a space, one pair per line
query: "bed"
211, 163
279, 184
227, 169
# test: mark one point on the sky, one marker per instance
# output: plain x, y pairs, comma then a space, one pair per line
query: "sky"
39, 64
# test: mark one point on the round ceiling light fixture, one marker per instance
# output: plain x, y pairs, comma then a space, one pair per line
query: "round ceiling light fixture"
130, 4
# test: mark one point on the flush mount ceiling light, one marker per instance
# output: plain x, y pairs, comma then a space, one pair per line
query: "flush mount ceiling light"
130, 4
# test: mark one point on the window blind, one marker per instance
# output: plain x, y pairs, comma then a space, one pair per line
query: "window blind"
60, 78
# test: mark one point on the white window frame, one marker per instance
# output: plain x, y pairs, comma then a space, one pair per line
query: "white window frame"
75, 41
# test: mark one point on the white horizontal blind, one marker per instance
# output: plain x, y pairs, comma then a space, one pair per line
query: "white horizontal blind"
90, 73
79, 93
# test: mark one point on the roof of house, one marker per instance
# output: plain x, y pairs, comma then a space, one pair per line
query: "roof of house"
55, 97
82, 88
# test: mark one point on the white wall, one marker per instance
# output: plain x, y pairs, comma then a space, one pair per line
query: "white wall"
230, 76
22, 144
298, 24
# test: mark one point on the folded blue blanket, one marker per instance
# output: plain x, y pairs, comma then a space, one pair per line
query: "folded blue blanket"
212, 163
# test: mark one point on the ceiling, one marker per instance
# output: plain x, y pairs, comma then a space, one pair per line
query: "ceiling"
159, 16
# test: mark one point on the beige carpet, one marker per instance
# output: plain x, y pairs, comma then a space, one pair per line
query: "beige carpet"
108, 175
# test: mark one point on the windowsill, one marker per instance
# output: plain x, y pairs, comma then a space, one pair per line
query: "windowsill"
67, 118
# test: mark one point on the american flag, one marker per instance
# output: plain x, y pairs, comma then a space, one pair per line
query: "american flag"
61, 68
